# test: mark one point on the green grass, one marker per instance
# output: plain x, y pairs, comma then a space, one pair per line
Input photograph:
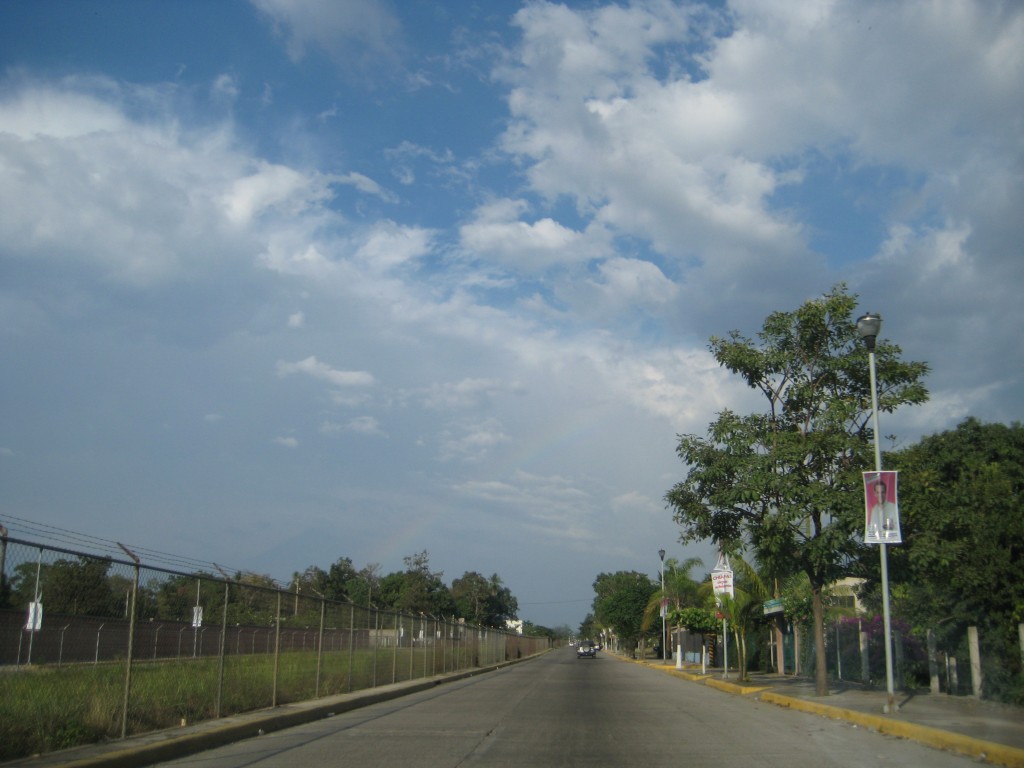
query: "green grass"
47, 708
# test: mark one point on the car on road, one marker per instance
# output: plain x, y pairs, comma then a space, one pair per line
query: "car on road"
586, 650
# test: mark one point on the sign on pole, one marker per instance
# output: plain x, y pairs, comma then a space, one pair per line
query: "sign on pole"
35, 616
773, 606
721, 577
881, 508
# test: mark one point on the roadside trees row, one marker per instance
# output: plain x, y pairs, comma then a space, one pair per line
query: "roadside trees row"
784, 485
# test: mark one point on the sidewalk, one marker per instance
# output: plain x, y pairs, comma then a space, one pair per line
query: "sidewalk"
981, 729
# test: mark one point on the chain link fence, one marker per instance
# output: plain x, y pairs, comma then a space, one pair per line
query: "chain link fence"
94, 648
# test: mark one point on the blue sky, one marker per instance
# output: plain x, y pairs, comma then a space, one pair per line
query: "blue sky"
284, 281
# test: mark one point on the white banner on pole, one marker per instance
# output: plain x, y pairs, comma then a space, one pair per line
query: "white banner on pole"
881, 508
721, 577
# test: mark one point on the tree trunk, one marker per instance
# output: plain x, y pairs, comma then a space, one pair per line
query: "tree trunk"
820, 661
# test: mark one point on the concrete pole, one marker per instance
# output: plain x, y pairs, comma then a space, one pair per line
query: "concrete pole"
977, 684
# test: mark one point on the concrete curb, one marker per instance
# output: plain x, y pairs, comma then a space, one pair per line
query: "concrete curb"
990, 752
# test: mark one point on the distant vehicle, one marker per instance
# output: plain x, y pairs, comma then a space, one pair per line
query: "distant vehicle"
586, 650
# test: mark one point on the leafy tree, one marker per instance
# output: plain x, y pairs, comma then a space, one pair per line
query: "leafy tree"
340, 577
417, 589
176, 595
589, 627
363, 587
483, 601
621, 599
786, 481
80, 587
253, 599
536, 630
962, 519
697, 620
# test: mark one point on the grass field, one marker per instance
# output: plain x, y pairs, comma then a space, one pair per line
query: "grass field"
47, 708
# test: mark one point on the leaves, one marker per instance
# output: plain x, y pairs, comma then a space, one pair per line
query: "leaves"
786, 481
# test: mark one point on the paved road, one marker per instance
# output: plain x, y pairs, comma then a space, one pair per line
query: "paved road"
561, 711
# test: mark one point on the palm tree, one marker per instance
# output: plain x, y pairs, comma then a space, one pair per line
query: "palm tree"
741, 610
681, 590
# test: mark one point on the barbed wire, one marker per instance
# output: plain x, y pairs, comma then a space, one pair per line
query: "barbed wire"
52, 534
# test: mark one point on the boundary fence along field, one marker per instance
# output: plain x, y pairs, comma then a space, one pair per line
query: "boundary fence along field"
123, 648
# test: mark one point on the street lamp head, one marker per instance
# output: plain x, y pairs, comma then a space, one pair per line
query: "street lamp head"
661, 554
868, 326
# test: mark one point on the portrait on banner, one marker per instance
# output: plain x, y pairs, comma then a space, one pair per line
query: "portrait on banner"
881, 506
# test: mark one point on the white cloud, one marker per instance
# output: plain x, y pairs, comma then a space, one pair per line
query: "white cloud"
363, 425
535, 306
497, 233
225, 87
471, 441
458, 395
272, 187
366, 425
316, 369
35, 111
366, 185
359, 35
388, 245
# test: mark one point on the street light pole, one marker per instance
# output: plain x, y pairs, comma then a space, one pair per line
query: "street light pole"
868, 326
664, 638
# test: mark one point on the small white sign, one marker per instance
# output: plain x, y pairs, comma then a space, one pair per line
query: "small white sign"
35, 617
197, 616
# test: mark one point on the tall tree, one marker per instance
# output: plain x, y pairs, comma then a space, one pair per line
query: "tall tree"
962, 515
483, 601
620, 602
339, 579
363, 587
80, 587
786, 481
417, 589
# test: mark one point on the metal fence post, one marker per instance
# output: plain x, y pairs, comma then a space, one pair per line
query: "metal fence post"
131, 643
394, 655
277, 650
96, 658
223, 642
320, 645
352, 642
376, 643
37, 599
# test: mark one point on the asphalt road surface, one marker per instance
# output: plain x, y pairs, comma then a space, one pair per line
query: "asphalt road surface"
558, 710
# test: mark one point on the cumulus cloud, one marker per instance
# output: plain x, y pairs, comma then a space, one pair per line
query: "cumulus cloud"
536, 312
316, 369
272, 187
498, 233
